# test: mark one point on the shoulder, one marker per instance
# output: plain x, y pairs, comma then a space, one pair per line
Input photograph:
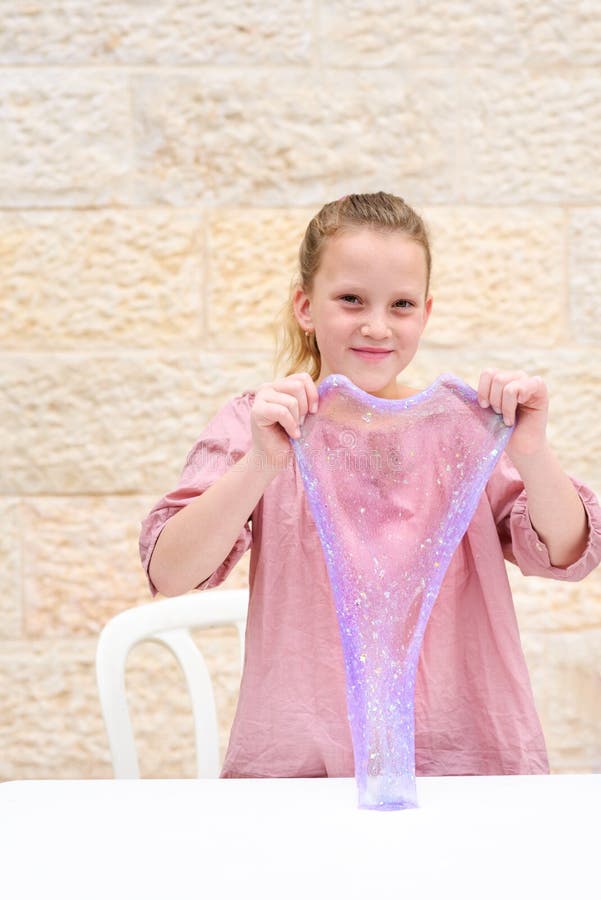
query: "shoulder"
230, 425
236, 409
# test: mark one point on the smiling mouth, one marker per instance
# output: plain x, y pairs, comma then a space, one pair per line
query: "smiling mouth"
371, 353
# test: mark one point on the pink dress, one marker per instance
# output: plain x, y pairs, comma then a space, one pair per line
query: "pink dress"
474, 709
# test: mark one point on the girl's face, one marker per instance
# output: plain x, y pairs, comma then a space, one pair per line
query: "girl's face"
367, 307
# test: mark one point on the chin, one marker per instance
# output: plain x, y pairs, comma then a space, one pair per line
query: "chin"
377, 387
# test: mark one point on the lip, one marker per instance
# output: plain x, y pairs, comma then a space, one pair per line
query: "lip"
371, 352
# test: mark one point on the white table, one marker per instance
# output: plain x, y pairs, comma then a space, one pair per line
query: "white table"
534, 837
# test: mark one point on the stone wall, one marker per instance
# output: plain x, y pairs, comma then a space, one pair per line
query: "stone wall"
158, 165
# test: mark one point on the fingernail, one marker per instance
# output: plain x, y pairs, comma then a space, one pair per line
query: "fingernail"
314, 407
483, 403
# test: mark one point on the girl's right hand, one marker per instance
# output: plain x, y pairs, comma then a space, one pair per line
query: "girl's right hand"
279, 409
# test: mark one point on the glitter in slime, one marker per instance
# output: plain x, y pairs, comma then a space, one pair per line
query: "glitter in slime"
392, 486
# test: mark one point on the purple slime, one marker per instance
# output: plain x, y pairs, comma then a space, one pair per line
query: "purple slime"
365, 462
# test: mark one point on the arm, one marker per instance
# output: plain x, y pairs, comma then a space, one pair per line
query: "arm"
213, 521
555, 509
212, 513
556, 512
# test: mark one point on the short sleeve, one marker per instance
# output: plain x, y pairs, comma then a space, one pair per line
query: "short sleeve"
520, 542
224, 441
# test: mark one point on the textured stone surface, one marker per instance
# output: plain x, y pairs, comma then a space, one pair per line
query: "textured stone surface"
582, 138
582, 32
545, 605
172, 32
254, 256
101, 280
585, 274
529, 139
81, 562
86, 423
224, 139
566, 680
10, 569
66, 138
452, 32
497, 277
280, 33
52, 726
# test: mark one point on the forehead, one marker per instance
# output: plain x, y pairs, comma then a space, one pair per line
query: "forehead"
367, 255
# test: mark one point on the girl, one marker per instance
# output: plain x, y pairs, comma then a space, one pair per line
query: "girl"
359, 308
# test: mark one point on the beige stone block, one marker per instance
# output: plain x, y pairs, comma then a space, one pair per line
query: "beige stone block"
529, 139
312, 136
10, 569
111, 423
87, 280
497, 277
582, 137
585, 274
487, 287
52, 725
573, 382
171, 32
448, 33
546, 605
66, 138
51, 721
254, 256
81, 563
582, 25
566, 681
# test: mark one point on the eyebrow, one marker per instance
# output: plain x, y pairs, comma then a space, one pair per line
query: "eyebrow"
354, 288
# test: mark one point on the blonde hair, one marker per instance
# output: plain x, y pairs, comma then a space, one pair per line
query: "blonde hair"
381, 212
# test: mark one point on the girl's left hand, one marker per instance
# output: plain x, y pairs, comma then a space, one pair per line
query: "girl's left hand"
522, 399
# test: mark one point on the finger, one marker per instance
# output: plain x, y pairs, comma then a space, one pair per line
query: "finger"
309, 396
509, 400
484, 385
524, 390
273, 412
287, 397
500, 379
312, 392
295, 386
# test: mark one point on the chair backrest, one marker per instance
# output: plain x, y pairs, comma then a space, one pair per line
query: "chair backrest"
165, 622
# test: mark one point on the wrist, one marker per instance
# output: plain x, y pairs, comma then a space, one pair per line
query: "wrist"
537, 466
265, 465
532, 458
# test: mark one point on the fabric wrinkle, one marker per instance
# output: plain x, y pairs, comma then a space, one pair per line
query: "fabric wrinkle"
291, 718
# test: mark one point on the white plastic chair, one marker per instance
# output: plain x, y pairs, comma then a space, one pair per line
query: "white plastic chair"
165, 622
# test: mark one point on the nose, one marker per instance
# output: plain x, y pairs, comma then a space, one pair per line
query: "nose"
376, 328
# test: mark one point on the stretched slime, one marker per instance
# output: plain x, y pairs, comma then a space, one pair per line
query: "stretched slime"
363, 461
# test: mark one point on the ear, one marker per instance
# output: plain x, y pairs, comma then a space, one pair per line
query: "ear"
302, 309
427, 310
